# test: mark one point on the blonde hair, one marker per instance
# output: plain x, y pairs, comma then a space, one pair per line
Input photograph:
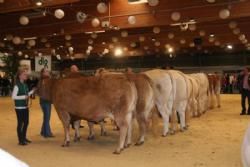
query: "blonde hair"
19, 72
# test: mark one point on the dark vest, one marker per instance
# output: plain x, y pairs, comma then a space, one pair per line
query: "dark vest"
22, 90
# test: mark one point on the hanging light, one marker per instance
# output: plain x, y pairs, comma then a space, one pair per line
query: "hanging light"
141, 38
202, 33
17, 40
118, 52
153, 2
170, 35
210, 1
68, 37
175, 16
94, 35
24, 20
114, 39
44, 40
192, 27
131, 20
236, 31
19, 53
32, 42
156, 30
59, 13
157, 43
95, 22
102, 7
90, 41
124, 34
182, 41
224, 13
232, 25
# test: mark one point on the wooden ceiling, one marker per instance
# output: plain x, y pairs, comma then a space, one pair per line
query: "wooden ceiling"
206, 16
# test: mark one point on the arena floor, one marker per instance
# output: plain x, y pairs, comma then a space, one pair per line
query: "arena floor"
213, 140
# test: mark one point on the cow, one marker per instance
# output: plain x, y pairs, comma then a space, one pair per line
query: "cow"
202, 81
145, 102
113, 96
214, 90
245, 149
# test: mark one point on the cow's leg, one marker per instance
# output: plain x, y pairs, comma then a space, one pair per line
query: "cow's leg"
141, 119
130, 129
122, 123
77, 131
103, 129
182, 114
165, 116
91, 131
65, 118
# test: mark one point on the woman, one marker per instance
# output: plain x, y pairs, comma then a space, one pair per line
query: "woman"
46, 108
20, 95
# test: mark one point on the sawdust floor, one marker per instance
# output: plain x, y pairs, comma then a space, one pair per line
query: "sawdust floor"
213, 140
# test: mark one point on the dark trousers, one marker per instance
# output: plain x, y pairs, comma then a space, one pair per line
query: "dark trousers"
46, 108
22, 123
245, 94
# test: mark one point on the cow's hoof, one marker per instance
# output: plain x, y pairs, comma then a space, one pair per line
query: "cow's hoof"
66, 144
139, 143
77, 139
118, 151
104, 134
91, 137
127, 145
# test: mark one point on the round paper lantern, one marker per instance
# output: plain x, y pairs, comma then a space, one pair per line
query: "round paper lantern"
68, 37
191, 45
17, 40
182, 41
192, 27
40, 54
32, 42
90, 48
210, 1
202, 33
145, 47
141, 38
242, 37
102, 7
44, 40
170, 35
19, 53
224, 13
58, 57
59, 13
153, 2
157, 43
114, 39
95, 22
47, 45
90, 41
24, 20
236, 31
175, 16
1, 1
94, 35
124, 34
131, 20
105, 51
9, 37
156, 30
245, 41
2, 45
68, 44
232, 25
53, 51
26, 56
71, 49
125, 49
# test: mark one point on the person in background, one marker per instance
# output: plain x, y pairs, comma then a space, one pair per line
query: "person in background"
46, 108
20, 95
245, 91
74, 72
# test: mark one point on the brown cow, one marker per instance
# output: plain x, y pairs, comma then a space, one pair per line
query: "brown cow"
214, 89
104, 96
145, 101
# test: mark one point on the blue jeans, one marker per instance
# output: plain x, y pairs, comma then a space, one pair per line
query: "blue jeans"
46, 108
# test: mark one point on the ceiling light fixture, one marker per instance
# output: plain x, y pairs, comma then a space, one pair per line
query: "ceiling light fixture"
118, 52
39, 3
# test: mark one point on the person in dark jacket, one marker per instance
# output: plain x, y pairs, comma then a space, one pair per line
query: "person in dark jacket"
20, 95
46, 108
244, 80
